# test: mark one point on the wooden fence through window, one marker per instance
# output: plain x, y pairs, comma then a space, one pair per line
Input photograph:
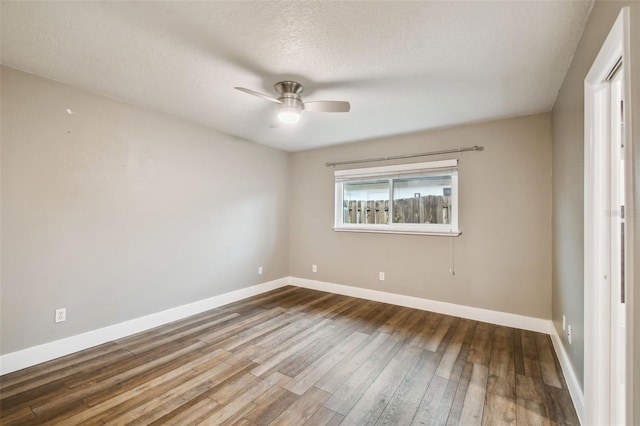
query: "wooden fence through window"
424, 209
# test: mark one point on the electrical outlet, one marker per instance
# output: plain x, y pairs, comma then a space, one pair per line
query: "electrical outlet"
61, 315
259, 270
314, 268
564, 322
569, 334
381, 276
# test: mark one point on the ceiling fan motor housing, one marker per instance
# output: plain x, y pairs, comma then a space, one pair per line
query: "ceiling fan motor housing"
289, 96
284, 87
291, 102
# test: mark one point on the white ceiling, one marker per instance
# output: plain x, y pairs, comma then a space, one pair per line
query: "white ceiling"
404, 66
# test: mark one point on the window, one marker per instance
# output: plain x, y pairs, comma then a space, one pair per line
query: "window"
419, 198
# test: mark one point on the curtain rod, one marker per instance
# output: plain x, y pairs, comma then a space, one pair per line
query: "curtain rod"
398, 157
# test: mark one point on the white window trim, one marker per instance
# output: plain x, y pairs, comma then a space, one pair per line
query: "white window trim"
390, 172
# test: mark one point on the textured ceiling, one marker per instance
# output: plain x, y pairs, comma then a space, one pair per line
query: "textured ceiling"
404, 66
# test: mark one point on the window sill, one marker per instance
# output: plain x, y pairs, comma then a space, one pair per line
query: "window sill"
399, 231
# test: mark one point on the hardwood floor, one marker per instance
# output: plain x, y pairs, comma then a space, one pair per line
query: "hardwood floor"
295, 356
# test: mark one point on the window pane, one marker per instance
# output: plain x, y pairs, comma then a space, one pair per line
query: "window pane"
366, 202
422, 200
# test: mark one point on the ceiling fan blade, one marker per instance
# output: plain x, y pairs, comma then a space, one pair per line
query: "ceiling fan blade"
258, 94
327, 106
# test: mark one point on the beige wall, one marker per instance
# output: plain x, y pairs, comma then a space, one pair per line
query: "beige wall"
115, 212
568, 181
502, 258
115, 206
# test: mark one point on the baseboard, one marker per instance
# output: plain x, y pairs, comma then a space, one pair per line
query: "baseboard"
478, 314
569, 375
37, 354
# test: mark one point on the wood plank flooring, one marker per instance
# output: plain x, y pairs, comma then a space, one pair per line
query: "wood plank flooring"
295, 356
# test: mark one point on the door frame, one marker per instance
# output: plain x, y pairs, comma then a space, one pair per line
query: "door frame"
597, 294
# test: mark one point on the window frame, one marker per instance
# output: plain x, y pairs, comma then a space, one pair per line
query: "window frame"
430, 168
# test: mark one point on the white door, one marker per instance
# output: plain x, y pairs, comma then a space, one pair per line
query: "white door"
608, 171
616, 248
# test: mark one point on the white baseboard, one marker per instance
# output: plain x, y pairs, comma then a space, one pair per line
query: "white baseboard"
569, 375
37, 354
478, 314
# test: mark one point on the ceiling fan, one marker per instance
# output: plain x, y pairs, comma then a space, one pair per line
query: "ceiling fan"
291, 105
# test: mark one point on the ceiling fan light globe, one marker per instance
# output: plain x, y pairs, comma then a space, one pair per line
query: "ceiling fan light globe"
289, 115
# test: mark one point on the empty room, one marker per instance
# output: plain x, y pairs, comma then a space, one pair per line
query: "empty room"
319, 213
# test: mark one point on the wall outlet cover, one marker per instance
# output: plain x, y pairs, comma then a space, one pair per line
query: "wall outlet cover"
61, 315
